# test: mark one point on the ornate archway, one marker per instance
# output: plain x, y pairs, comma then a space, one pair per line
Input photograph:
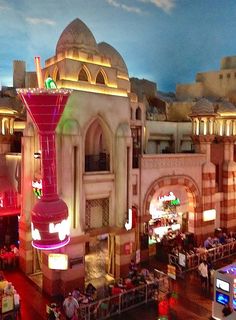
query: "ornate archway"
192, 194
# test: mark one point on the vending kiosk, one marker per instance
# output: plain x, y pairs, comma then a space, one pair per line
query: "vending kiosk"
224, 292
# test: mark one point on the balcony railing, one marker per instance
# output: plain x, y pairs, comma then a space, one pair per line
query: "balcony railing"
100, 162
193, 260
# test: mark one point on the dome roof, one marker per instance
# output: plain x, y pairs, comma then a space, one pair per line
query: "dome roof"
225, 106
203, 107
77, 36
116, 59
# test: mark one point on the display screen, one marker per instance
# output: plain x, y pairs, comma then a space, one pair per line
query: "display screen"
222, 298
223, 285
234, 304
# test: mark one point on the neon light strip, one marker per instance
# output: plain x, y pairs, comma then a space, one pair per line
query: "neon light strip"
52, 246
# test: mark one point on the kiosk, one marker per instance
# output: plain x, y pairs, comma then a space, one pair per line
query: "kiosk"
224, 292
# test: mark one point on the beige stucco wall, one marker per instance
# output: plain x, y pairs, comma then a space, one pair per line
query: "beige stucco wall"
179, 131
171, 165
84, 108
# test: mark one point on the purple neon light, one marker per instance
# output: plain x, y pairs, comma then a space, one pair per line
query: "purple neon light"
52, 246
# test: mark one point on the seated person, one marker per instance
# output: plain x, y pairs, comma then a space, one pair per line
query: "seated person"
145, 273
120, 283
91, 291
76, 294
223, 238
132, 265
227, 310
129, 284
208, 244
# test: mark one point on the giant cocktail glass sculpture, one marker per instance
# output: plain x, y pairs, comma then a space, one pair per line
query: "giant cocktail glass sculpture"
50, 224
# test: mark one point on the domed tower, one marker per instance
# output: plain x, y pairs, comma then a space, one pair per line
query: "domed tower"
81, 64
203, 123
77, 36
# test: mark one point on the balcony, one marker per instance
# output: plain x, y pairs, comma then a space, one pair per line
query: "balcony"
100, 162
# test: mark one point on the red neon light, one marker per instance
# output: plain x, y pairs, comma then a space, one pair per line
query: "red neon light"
46, 108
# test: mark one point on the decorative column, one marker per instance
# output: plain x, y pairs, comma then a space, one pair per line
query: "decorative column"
229, 180
203, 143
50, 226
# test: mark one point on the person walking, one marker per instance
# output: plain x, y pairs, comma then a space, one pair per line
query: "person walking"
203, 271
71, 306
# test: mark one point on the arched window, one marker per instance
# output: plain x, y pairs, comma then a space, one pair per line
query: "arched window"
100, 78
138, 114
83, 75
97, 156
57, 76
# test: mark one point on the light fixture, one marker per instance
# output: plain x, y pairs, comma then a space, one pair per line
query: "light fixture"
46, 107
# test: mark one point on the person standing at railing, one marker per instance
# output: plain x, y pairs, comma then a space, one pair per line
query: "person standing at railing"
223, 238
208, 243
203, 271
71, 306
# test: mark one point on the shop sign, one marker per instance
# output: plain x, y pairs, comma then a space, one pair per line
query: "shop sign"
57, 261
170, 198
171, 271
209, 215
182, 259
129, 224
7, 303
175, 202
62, 228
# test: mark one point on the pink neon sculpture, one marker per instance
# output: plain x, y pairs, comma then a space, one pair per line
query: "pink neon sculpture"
50, 226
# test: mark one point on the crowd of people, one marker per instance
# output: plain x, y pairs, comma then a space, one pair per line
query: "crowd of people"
72, 302
8, 291
190, 248
9, 257
77, 298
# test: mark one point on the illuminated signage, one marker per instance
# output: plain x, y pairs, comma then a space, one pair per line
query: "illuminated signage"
35, 233
209, 215
63, 229
170, 198
57, 261
223, 285
128, 224
175, 202
50, 83
37, 188
1, 203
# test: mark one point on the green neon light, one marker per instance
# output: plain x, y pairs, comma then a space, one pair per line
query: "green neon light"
175, 202
50, 83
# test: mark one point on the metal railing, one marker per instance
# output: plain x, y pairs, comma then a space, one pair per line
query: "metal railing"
214, 254
113, 305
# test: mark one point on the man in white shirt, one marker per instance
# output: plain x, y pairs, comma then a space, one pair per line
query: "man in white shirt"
203, 270
16, 298
70, 306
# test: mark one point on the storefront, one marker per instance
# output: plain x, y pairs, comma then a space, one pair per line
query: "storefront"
168, 209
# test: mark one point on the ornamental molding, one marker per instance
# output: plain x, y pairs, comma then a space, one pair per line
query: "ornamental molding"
173, 162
